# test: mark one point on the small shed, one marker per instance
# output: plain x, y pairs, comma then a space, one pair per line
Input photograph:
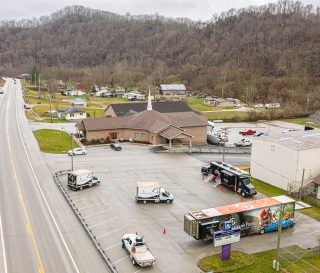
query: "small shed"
80, 102
172, 89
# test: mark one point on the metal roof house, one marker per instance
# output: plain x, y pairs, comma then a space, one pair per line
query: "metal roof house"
172, 89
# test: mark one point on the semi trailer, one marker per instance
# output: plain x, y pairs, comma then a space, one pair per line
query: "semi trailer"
253, 217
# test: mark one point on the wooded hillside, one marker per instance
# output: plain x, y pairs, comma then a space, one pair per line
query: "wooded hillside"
266, 53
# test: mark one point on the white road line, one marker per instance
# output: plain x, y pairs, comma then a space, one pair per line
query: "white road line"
1, 229
43, 196
94, 214
126, 257
3, 248
314, 232
103, 222
105, 234
112, 246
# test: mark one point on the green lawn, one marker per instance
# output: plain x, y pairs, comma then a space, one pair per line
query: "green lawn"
227, 115
302, 121
214, 262
262, 262
198, 105
94, 112
54, 141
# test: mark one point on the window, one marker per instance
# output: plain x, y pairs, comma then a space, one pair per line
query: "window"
151, 138
136, 135
81, 114
114, 135
142, 136
71, 115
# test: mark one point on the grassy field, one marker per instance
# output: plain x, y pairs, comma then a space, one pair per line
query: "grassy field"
94, 112
302, 121
262, 262
227, 115
54, 141
198, 105
213, 263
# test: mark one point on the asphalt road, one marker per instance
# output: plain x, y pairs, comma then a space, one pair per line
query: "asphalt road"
38, 231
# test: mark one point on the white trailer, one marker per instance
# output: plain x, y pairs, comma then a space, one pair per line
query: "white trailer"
152, 192
79, 179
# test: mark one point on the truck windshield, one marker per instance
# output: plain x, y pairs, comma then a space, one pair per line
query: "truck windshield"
245, 181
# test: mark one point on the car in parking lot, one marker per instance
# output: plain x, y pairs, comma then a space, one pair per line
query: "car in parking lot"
116, 147
288, 130
257, 134
27, 106
247, 132
77, 151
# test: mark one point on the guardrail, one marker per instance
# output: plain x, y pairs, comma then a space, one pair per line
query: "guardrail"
86, 227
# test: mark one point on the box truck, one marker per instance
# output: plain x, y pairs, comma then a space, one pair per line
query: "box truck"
253, 217
152, 192
79, 179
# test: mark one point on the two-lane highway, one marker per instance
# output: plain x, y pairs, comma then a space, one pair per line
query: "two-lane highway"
38, 231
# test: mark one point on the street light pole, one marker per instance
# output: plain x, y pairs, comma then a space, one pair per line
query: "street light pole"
71, 151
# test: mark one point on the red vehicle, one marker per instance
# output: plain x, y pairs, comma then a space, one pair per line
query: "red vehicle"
247, 132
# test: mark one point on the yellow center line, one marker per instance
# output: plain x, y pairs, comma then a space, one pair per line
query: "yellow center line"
29, 227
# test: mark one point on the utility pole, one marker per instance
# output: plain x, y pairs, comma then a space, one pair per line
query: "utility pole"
50, 107
39, 89
71, 151
279, 235
302, 180
307, 104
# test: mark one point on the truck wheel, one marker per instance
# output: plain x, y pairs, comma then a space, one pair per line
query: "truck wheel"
122, 244
168, 201
144, 201
80, 188
243, 194
133, 261
262, 231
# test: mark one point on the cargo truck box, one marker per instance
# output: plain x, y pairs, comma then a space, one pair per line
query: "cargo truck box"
152, 192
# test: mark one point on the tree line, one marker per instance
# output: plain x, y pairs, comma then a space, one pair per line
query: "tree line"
258, 54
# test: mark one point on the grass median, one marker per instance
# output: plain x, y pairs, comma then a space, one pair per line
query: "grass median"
54, 141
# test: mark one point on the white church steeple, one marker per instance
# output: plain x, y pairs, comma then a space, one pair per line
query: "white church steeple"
149, 107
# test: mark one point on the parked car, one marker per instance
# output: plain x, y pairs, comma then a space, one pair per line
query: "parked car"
1, 90
237, 105
27, 106
257, 134
77, 151
288, 130
247, 132
116, 147
259, 106
243, 143
139, 251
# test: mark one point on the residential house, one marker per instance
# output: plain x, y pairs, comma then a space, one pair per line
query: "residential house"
73, 92
119, 92
71, 113
219, 102
134, 95
172, 89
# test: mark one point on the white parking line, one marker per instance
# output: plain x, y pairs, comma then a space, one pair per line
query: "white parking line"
126, 257
104, 222
94, 214
105, 234
90, 206
75, 201
112, 246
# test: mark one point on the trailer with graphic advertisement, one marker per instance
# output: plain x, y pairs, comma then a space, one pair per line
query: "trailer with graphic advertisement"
253, 217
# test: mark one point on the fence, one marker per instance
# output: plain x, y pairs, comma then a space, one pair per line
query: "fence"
86, 227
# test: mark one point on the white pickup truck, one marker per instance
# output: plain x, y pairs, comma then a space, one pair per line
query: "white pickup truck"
243, 143
139, 252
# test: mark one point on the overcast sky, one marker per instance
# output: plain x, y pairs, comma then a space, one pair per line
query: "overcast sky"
194, 9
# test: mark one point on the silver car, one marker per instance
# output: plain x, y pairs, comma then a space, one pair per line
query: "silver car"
77, 151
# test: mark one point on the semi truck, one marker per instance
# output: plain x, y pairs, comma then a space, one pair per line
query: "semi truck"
152, 192
229, 176
79, 179
253, 217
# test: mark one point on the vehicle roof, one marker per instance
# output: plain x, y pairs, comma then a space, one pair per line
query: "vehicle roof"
240, 207
148, 184
80, 172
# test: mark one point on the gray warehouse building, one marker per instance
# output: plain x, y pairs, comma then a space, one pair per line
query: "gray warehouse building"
172, 89
285, 161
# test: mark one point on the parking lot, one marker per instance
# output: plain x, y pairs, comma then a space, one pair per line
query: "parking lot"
111, 211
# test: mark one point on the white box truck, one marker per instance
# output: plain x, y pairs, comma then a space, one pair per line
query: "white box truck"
79, 179
152, 192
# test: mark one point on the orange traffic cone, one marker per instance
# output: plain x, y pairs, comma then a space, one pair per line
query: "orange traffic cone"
220, 188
